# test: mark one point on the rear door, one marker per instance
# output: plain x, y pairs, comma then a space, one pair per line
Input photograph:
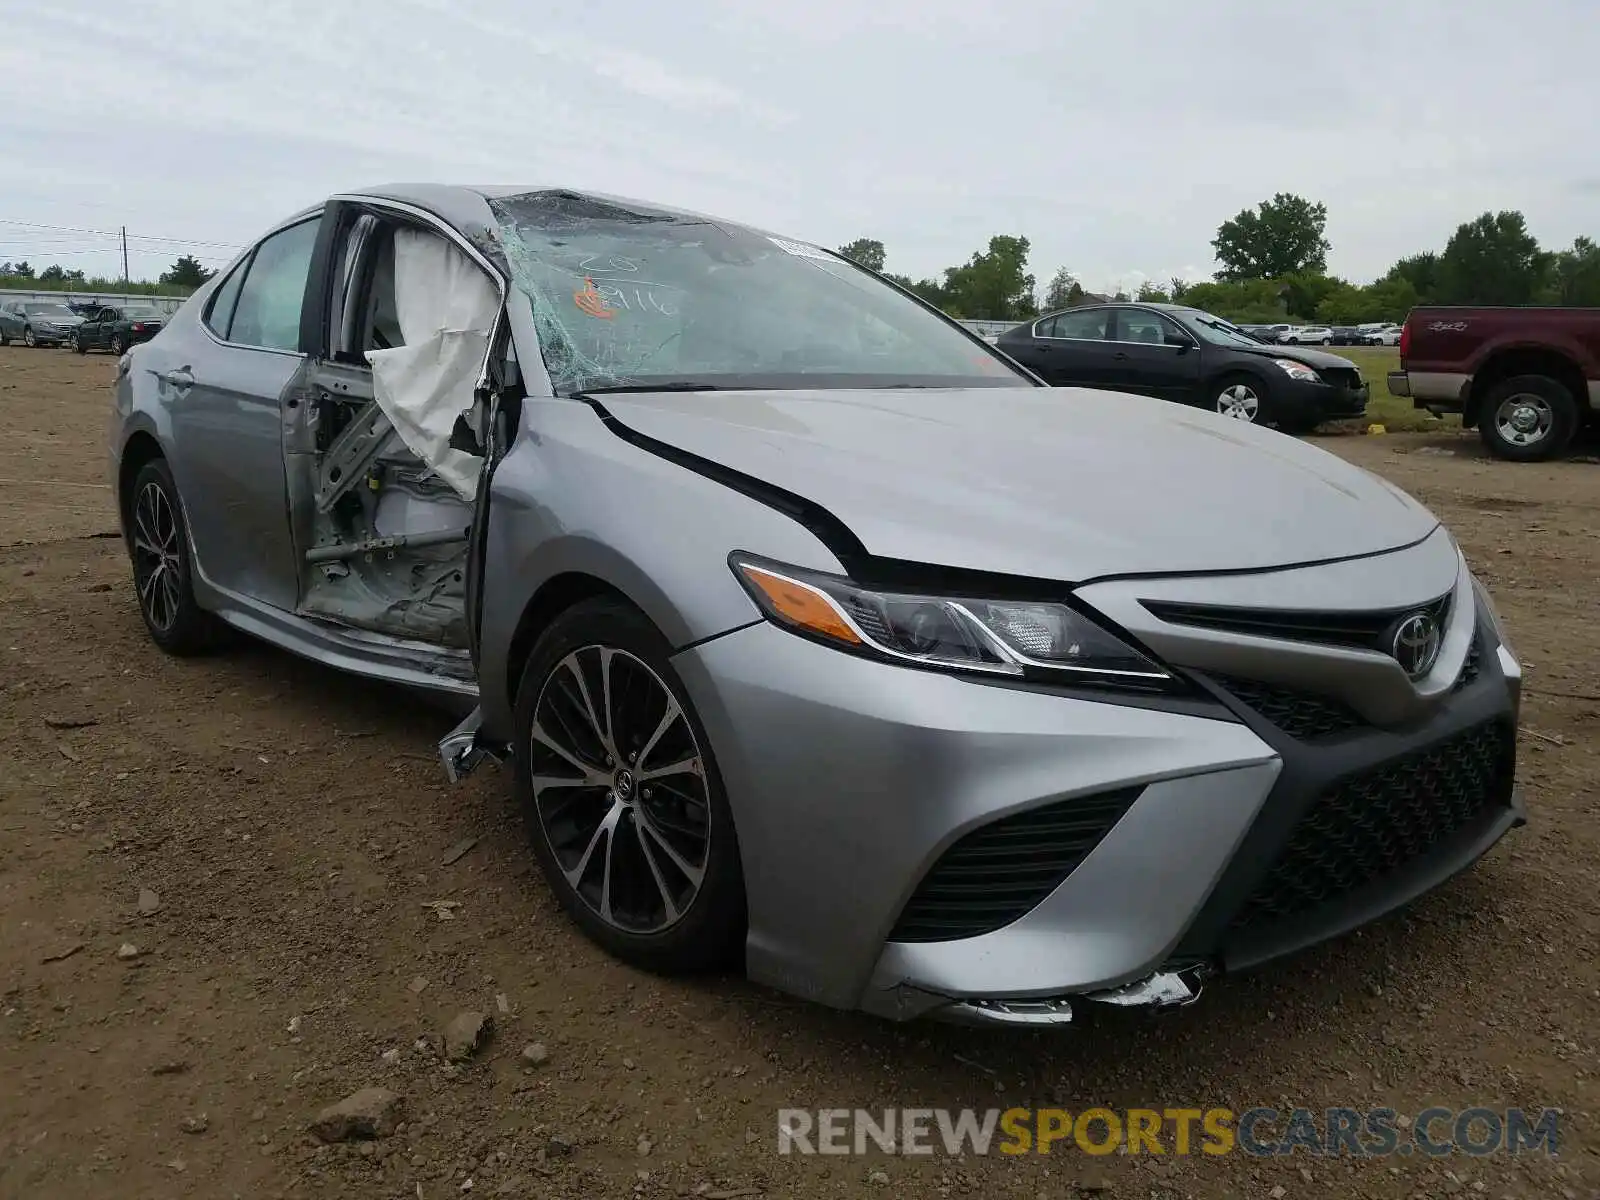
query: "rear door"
1074, 350
225, 382
1154, 357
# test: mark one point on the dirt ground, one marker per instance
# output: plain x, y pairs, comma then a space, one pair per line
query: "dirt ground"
284, 830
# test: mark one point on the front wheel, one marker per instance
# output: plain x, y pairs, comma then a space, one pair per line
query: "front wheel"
29, 338
1528, 418
623, 800
77, 345
1242, 398
158, 542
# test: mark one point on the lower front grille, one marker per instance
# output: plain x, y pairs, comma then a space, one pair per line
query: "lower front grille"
1368, 826
1303, 715
999, 872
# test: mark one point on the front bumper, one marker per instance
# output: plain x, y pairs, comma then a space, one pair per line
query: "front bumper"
1311, 403
853, 783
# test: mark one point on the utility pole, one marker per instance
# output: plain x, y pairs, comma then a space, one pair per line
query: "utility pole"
124, 258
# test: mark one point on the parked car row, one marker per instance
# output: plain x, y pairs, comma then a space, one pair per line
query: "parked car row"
107, 327
1379, 333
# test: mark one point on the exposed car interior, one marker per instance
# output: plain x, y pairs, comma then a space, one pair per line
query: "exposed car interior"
387, 481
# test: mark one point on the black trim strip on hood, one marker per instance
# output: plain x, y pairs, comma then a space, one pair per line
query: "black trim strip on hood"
860, 564
827, 528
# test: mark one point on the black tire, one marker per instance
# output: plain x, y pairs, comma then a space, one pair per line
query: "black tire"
5, 338
709, 931
117, 344
158, 547
1327, 341
77, 345
1225, 398
1528, 418
29, 338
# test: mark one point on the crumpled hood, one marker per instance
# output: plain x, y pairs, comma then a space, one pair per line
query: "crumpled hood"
1057, 483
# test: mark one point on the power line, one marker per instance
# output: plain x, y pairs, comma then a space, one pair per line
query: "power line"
111, 233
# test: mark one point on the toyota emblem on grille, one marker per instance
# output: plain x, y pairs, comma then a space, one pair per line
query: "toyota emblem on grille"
1416, 644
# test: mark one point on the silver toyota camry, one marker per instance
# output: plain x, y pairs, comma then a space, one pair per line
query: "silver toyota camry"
819, 635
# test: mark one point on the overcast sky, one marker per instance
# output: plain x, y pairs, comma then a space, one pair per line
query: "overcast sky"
1114, 135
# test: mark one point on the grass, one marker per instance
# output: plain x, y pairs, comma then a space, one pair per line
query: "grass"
1394, 413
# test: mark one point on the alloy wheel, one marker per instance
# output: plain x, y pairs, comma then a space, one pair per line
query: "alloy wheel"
157, 555
29, 338
619, 790
1239, 401
1524, 419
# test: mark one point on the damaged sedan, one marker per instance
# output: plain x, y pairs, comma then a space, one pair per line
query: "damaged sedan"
818, 635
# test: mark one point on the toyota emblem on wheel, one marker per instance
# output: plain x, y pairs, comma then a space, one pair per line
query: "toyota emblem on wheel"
1416, 644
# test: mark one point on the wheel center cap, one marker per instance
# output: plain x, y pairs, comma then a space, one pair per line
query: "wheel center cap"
1524, 419
623, 784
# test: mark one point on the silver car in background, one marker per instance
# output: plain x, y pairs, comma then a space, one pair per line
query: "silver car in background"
37, 322
819, 636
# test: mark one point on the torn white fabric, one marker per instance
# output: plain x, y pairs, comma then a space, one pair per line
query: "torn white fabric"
445, 306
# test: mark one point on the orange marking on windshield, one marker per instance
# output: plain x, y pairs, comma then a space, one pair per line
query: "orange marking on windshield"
589, 300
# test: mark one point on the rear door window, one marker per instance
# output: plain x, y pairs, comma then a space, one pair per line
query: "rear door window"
267, 312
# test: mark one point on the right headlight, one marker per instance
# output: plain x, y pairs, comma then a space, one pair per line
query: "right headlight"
1026, 639
1496, 625
1298, 370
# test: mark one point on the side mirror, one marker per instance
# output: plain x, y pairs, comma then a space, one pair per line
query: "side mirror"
1181, 341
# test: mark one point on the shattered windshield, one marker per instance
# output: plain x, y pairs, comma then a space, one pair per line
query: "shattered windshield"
632, 297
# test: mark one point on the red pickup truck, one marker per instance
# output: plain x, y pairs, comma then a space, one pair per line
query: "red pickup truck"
1528, 378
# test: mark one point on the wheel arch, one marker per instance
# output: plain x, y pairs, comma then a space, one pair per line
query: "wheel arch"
1524, 360
550, 600
140, 448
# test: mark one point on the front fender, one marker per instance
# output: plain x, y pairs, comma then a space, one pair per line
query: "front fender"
571, 498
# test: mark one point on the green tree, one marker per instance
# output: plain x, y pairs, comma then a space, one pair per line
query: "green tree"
1249, 301
994, 284
1283, 236
186, 272
1575, 275
1492, 260
17, 270
868, 252
1421, 272
1152, 292
1058, 292
930, 290
1177, 288
55, 273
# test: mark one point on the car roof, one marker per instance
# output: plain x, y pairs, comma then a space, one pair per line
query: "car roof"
466, 207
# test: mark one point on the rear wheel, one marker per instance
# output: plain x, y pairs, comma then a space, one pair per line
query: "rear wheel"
158, 543
1528, 418
118, 344
624, 804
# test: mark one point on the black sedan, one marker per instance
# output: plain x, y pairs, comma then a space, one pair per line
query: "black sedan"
115, 329
1192, 357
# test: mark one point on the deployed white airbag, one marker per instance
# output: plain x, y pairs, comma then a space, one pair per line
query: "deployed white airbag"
445, 305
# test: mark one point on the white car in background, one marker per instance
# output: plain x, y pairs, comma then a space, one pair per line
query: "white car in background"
1388, 335
1307, 335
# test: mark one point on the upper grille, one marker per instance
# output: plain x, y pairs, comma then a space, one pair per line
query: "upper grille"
999, 872
1304, 715
1369, 825
1363, 630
